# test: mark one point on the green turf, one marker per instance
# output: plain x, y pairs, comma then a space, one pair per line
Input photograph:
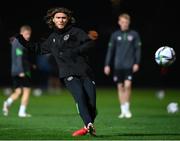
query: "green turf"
55, 117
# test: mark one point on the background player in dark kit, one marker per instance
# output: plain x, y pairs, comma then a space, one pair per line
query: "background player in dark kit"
21, 73
124, 47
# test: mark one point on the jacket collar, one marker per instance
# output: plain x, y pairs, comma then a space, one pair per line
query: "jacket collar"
125, 31
65, 29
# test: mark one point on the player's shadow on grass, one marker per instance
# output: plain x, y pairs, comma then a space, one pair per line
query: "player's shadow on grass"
138, 134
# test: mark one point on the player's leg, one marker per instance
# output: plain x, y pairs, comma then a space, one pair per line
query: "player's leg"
122, 100
24, 102
15, 95
120, 88
119, 80
127, 94
127, 90
74, 85
90, 90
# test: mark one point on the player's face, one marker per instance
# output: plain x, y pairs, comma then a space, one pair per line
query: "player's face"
60, 20
26, 34
123, 23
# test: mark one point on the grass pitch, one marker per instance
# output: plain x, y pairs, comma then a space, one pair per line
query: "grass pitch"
55, 117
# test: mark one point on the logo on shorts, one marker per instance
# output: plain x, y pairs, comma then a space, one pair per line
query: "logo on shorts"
70, 78
129, 77
54, 40
115, 78
66, 37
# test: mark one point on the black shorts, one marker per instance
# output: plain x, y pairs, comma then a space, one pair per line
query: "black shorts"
19, 82
123, 74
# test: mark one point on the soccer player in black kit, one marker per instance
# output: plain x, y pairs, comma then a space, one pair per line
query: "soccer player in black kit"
125, 48
69, 44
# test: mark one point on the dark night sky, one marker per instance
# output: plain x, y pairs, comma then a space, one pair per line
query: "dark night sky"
156, 21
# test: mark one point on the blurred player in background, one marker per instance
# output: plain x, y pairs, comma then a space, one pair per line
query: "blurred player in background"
124, 50
69, 44
20, 71
93, 34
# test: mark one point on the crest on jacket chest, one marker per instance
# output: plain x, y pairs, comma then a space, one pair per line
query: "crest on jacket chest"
119, 38
66, 37
130, 37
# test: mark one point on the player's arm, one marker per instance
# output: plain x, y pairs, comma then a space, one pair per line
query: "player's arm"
17, 49
137, 45
109, 55
85, 42
37, 48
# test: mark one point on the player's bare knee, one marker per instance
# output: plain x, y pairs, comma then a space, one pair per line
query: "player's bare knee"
16, 94
127, 87
120, 87
18, 91
127, 84
26, 91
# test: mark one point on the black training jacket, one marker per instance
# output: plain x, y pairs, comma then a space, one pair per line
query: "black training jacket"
124, 49
20, 58
69, 47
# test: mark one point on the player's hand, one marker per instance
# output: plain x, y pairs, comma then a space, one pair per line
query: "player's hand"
21, 74
107, 70
135, 68
93, 35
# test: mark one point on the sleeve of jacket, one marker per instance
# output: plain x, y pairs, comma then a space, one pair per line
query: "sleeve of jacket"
85, 42
137, 45
18, 53
110, 51
37, 48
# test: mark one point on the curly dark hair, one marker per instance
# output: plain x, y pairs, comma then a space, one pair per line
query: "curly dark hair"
51, 12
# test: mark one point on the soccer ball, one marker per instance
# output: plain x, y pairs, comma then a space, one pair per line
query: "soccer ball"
172, 108
165, 56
